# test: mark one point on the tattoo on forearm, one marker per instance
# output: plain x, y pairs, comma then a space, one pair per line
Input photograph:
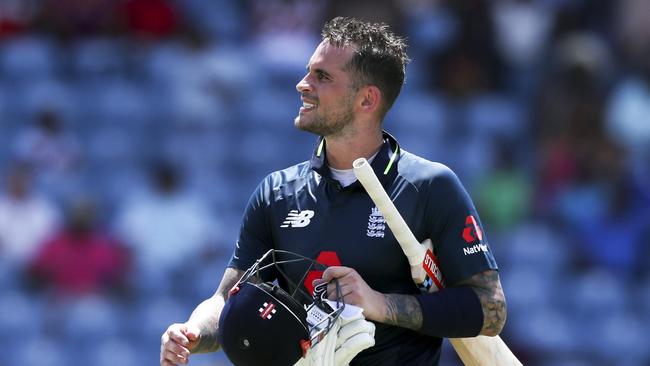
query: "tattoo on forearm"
403, 311
489, 291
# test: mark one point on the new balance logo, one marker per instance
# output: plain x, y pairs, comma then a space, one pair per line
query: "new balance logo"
298, 219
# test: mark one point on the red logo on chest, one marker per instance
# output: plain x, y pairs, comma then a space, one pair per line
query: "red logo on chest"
326, 258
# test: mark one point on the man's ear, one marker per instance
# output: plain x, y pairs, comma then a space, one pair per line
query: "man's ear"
370, 98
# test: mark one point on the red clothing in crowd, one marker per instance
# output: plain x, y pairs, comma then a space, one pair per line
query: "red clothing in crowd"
80, 263
151, 18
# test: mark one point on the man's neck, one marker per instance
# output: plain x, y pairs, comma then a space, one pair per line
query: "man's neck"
342, 151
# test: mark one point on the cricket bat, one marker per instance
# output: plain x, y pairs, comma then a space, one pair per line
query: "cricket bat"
425, 271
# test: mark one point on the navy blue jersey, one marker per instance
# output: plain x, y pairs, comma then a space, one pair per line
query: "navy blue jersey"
303, 210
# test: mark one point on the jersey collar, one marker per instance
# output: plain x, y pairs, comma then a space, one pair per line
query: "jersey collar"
384, 164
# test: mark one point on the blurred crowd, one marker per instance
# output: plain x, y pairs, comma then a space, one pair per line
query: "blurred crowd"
132, 133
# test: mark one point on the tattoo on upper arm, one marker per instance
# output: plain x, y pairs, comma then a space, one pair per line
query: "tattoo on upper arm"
488, 289
403, 311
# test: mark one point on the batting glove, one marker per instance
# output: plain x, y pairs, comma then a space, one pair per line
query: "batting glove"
350, 334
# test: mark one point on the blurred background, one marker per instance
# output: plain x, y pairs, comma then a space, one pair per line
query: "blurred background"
132, 133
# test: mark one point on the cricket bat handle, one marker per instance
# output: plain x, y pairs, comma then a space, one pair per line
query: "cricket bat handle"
484, 351
425, 269
475, 351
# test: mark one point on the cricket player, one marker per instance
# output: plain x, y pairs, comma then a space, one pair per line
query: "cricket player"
318, 209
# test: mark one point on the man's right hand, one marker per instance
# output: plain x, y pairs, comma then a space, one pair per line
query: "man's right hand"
176, 344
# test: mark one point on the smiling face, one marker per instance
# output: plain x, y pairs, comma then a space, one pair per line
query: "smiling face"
327, 92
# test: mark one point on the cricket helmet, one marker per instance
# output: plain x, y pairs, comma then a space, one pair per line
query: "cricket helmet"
275, 322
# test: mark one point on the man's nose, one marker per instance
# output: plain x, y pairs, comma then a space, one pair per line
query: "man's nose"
303, 86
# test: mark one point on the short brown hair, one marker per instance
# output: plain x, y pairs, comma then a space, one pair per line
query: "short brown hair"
380, 58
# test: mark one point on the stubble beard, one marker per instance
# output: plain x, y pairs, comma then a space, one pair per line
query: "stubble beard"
333, 124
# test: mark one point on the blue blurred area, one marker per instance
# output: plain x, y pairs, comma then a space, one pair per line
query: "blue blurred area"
145, 125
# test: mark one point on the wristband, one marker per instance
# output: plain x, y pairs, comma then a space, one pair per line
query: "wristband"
453, 312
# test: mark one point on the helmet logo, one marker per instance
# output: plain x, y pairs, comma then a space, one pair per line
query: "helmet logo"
267, 310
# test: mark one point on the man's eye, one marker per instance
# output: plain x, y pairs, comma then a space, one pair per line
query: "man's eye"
321, 76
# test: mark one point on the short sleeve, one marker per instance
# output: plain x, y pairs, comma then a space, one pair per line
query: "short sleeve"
255, 237
460, 243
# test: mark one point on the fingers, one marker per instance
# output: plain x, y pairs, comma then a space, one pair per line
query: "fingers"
349, 284
169, 357
176, 349
191, 332
177, 334
341, 289
336, 272
317, 282
331, 273
355, 291
346, 277
174, 344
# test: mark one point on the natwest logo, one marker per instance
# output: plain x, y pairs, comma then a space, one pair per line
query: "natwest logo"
472, 231
475, 249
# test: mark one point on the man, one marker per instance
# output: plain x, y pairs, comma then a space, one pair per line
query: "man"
316, 208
